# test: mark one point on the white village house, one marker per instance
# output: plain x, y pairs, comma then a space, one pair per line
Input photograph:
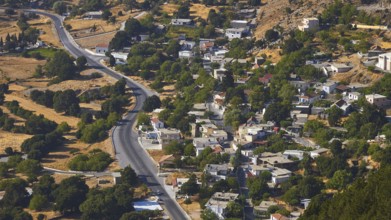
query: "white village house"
384, 62
309, 24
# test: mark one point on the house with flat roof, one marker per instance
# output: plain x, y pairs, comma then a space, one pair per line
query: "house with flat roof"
329, 87
280, 175
185, 54
218, 171
299, 154
219, 202
219, 74
384, 62
201, 143
92, 15
380, 101
318, 152
239, 24
232, 33
167, 135
308, 98
181, 21
261, 210
354, 96
276, 160
309, 24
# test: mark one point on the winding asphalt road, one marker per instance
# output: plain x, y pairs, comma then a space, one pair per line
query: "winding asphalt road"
125, 140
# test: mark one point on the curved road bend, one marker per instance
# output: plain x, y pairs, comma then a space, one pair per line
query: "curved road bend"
125, 140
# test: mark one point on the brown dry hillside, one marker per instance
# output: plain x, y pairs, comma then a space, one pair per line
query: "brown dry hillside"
12, 68
274, 12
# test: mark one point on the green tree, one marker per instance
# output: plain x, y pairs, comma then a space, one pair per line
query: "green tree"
129, 176
271, 35
234, 210
3, 169
81, 62
340, 180
63, 127
334, 115
276, 112
207, 214
60, 7
190, 187
15, 195
29, 167
66, 101
104, 204
44, 186
233, 118
61, 66
38, 203
112, 60
143, 119
70, 193
309, 186
151, 103
173, 48
133, 27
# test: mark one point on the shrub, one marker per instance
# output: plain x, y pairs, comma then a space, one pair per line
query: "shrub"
96, 160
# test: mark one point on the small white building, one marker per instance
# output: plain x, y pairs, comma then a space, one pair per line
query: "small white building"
309, 24
318, 152
299, 154
239, 24
218, 171
340, 67
219, 201
378, 100
343, 105
93, 15
166, 136
185, 54
329, 87
181, 22
384, 62
354, 96
219, 74
101, 48
280, 175
201, 143
232, 33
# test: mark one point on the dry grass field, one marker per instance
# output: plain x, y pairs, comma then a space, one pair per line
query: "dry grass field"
273, 55
49, 34
91, 42
193, 209
82, 24
49, 113
8, 27
200, 10
13, 140
169, 8
156, 154
359, 74
59, 158
61, 155
196, 10
12, 68
48, 214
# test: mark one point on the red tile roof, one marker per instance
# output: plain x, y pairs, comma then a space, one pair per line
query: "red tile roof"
266, 78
